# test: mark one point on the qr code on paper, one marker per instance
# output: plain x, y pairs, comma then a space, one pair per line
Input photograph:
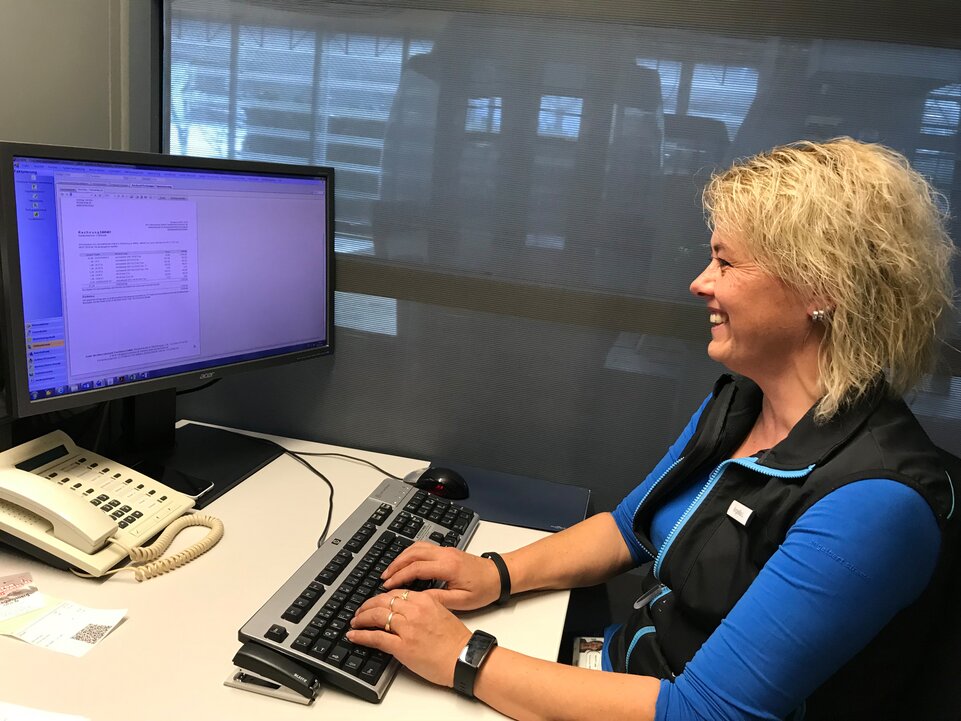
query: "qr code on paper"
91, 633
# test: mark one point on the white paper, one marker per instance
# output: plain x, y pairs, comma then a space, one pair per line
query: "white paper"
70, 628
12, 712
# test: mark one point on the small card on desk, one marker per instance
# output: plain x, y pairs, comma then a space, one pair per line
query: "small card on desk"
587, 652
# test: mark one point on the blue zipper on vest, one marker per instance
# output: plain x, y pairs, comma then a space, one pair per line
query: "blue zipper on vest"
749, 463
641, 632
644, 498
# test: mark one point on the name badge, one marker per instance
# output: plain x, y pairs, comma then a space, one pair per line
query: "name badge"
740, 513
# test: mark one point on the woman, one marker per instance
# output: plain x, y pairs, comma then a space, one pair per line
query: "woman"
796, 521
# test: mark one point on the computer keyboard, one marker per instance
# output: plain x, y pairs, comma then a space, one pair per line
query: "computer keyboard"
306, 618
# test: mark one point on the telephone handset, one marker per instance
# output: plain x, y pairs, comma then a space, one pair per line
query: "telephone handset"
76, 509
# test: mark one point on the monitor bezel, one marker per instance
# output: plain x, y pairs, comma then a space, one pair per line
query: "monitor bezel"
12, 335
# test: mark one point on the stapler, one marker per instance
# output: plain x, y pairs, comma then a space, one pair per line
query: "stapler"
264, 671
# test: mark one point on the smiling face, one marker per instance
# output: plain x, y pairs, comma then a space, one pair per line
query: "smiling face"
760, 326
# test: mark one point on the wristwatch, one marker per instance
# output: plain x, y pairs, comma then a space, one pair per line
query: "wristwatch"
470, 660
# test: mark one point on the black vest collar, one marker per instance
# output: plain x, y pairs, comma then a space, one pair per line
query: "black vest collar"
807, 444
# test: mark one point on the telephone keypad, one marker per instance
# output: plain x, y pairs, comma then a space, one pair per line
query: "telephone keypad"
131, 497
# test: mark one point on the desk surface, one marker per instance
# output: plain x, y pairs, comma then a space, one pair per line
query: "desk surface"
170, 656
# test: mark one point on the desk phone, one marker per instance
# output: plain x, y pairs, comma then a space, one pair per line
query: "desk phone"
76, 509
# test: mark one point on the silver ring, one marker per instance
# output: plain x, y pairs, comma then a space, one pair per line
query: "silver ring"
390, 616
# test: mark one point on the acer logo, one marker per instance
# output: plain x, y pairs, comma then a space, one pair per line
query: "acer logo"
205, 376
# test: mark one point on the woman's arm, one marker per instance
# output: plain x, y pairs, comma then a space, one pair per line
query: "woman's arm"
582, 555
528, 688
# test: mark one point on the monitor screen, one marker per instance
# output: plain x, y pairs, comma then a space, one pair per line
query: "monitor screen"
128, 272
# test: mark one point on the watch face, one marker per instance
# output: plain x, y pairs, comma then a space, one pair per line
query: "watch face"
478, 645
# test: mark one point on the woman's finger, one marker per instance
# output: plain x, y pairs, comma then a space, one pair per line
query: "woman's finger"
383, 600
387, 642
413, 572
419, 552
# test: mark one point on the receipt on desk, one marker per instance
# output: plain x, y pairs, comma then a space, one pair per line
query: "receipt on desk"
13, 712
69, 627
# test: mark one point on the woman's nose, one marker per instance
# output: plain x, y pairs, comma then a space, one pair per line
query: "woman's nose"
701, 285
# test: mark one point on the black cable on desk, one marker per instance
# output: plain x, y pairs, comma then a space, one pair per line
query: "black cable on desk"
330, 504
296, 455
350, 458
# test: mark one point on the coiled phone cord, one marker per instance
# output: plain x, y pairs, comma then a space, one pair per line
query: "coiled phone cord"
150, 555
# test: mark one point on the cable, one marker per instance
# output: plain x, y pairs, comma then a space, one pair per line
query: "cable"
349, 458
296, 455
330, 503
104, 413
154, 565
198, 388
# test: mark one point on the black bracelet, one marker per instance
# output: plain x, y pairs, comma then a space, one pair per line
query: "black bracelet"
503, 573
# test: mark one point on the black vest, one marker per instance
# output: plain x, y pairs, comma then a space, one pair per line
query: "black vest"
713, 556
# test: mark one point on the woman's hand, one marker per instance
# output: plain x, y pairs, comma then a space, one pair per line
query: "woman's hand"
472, 582
416, 629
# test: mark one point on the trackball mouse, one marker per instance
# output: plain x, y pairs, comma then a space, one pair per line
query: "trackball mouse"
442, 482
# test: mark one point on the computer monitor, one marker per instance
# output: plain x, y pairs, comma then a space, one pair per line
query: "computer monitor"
129, 274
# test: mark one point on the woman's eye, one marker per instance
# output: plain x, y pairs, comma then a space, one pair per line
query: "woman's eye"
721, 263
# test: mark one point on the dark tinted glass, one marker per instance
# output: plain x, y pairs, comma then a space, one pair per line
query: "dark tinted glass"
518, 203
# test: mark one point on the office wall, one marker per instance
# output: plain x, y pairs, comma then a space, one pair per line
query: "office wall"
78, 73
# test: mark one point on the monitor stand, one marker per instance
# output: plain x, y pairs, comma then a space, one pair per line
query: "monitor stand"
193, 459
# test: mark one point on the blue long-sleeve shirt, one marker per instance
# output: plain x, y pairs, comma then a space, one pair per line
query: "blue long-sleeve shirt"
845, 568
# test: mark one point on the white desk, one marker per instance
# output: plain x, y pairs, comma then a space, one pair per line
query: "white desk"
169, 658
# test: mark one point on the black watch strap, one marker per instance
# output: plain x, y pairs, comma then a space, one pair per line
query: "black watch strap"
504, 574
471, 657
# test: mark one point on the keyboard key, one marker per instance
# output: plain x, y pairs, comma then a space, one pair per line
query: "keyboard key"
337, 655
276, 633
293, 614
320, 648
326, 576
372, 671
353, 664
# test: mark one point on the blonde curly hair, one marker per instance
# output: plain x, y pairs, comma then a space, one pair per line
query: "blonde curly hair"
851, 225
